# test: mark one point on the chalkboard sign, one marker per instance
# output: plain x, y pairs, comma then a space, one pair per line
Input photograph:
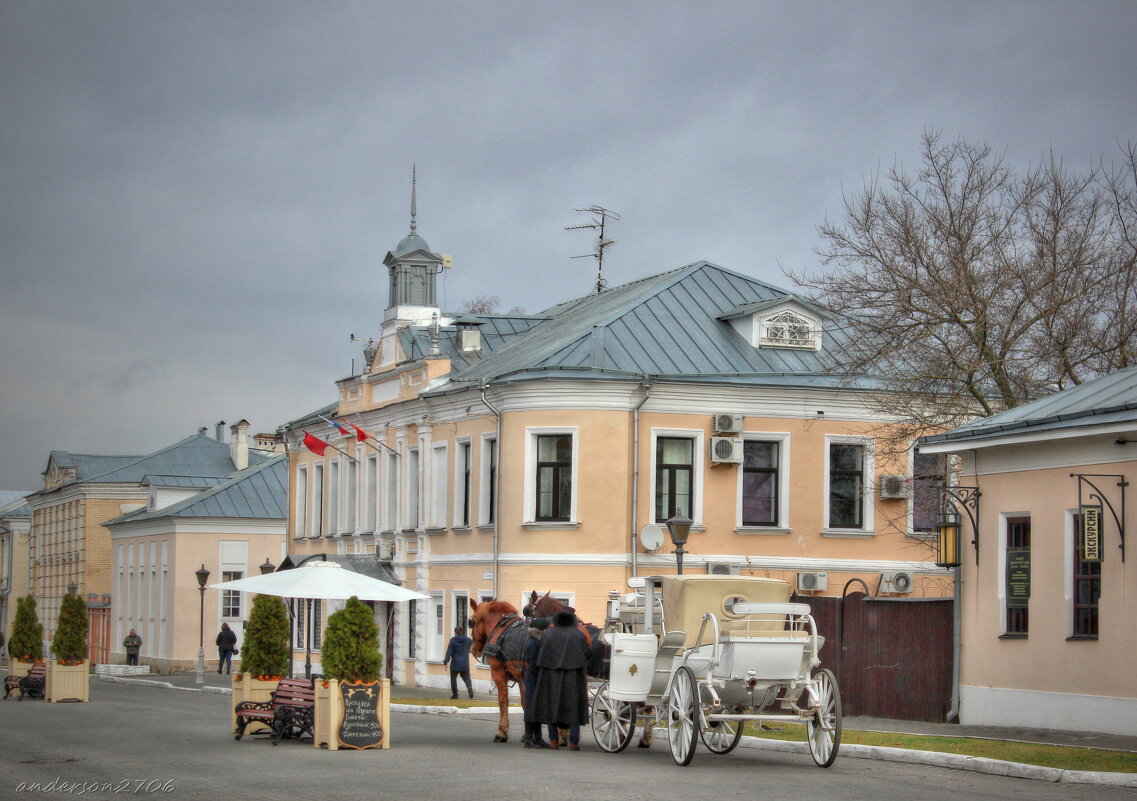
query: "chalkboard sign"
360, 727
1018, 577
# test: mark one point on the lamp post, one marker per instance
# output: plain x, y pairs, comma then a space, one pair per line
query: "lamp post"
679, 527
267, 567
202, 577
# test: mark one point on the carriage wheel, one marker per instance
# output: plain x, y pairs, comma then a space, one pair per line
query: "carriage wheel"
613, 722
722, 736
824, 730
683, 715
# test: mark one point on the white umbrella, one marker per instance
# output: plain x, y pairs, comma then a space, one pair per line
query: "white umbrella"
326, 580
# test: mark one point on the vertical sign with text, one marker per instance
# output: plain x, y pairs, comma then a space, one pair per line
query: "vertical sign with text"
1091, 533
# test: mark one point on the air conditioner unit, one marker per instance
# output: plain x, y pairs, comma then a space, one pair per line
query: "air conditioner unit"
726, 423
726, 450
812, 582
898, 582
723, 569
895, 487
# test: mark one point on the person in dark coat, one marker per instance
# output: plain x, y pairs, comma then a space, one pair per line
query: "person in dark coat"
132, 643
532, 737
226, 644
561, 694
458, 657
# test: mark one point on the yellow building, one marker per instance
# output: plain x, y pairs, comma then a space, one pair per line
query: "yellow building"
15, 524
493, 455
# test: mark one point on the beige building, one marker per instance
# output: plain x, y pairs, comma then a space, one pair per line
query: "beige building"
232, 526
1049, 623
492, 455
69, 545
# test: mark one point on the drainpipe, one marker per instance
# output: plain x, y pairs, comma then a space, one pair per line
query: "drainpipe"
957, 615
497, 495
636, 472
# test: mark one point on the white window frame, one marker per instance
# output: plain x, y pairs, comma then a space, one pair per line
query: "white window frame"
316, 530
371, 494
334, 497
351, 496
436, 627
390, 492
412, 489
782, 524
439, 484
529, 513
459, 598
300, 512
567, 598
485, 480
699, 462
463, 447
868, 469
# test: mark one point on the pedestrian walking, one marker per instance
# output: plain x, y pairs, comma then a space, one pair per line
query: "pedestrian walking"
132, 643
458, 657
226, 645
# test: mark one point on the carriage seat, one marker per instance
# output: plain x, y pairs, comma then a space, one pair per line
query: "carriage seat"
687, 598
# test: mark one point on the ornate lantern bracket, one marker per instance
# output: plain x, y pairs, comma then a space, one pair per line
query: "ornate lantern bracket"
953, 500
1087, 489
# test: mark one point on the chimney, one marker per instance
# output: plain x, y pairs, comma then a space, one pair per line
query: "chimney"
219, 431
239, 444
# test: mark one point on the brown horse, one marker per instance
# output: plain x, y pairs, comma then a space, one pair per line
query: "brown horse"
499, 635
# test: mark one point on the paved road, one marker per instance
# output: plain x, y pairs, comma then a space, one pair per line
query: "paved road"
180, 740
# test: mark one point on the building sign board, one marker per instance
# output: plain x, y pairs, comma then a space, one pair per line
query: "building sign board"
1018, 577
1091, 533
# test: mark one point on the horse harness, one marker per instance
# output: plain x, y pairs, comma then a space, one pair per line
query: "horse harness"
506, 643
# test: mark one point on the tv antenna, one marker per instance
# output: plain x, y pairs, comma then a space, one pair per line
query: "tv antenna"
600, 217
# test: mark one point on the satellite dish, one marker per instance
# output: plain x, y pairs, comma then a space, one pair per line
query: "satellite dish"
651, 537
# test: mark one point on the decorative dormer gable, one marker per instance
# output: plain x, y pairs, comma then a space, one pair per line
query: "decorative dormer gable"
786, 322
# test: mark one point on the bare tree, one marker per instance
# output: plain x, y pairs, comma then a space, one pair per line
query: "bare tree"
967, 289
486, 304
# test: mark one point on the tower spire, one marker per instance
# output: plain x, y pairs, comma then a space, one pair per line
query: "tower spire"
414, 205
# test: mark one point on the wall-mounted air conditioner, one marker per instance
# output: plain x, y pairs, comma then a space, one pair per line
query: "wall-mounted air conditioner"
723, 568
895, 487
812, 582
897, 582
726, 423
725, 450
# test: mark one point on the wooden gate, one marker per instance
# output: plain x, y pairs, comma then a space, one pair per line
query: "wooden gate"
892, 656
98, 629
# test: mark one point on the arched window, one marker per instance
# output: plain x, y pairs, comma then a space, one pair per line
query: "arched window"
789, 329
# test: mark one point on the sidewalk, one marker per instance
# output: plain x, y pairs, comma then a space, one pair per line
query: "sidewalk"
1116, 742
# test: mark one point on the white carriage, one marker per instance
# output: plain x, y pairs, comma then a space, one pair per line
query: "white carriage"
702, 655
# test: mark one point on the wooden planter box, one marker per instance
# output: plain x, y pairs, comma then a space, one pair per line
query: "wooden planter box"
368, 709
18, 668
67, 682
246, 688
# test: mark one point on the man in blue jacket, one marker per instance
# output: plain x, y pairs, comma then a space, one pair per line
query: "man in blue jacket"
458, 657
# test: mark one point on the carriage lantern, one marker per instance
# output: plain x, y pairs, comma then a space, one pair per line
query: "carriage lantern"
679, 527
949, 536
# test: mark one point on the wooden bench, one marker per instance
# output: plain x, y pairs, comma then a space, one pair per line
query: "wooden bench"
30, 685
289, 712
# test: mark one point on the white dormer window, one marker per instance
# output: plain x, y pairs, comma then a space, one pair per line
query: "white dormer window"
788, 329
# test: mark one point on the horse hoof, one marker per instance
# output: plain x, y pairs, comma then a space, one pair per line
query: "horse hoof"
642, 744
497, 738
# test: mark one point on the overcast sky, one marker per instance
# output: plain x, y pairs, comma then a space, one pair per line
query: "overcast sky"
197, 196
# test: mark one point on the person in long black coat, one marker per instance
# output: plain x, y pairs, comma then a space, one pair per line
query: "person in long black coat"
561, 694
533, 737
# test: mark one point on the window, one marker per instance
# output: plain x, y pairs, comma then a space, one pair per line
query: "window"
462, 485
317, 624
1087, 587
929, 473
674, 473
848, 464
352, 482
438, 460
412, 519
370, 490
461, 609
488, 494
1018, 575
300, 519
554, 477
231, 599
435, 634
333, 499
760, 483
412, 629
317, 501
391, 494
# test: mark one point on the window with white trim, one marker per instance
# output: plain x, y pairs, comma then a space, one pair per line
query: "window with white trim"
334, 499
462, 483
487, 483
551, 475
370, 493
412, 483
317, 501
761, 478
677, 473
435, 635
231, 599
350, 503
300, 517
438, 472
391, 494
848, 467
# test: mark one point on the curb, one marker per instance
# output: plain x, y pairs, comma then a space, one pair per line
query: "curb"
995, 767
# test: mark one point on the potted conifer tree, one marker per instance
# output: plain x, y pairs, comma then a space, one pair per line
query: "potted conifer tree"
25, 647
265, 653
67, 676
353, 704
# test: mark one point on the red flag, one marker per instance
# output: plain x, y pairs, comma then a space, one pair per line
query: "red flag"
315, 444
360, 434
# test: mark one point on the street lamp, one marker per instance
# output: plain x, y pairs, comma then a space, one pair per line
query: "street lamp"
679, 527
949, 537
267, 567
202, 577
